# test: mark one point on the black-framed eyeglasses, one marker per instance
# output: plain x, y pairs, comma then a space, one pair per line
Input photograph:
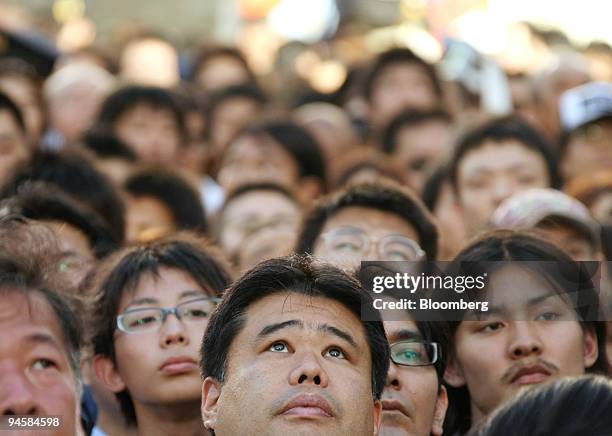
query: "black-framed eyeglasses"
415, 353
152, 318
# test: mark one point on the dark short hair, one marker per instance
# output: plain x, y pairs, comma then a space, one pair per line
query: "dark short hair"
106, 145
131, 96
40, 201
120, 273
488, 253
76, 176
6, 104
28, 264
504, 129
382, 196
295, 274
567, 407
181, 199
396, 56
248, 91
300, 144
410, 118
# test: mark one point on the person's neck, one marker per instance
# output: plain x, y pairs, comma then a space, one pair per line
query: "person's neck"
111, 425
477, 415
180, 419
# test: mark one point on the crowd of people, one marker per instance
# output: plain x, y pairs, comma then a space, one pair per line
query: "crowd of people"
187, 259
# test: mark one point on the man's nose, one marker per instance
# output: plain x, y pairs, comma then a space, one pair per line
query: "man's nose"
308, 370
16, 395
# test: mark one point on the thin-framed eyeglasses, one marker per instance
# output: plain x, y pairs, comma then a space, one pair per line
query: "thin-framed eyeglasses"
415, 353
152, 318
352, 242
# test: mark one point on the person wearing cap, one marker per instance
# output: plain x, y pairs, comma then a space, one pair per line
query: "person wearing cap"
586, 118
558, 217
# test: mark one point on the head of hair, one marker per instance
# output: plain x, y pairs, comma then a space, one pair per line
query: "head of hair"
29, 256
295, 274
382, 196
39, 201
494, 250
121, 272
181, 199
395, 56
77, 177
300, 144
247, 91
509, 128
129, 97
106, 145
410, 118
6, 104
567, 407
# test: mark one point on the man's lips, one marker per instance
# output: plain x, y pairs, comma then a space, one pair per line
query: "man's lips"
178, 365
394, 406
530, 374
307, 405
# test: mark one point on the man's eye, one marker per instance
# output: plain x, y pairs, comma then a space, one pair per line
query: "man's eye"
548, 316
492, 326
40, 364
279, 347
336, 352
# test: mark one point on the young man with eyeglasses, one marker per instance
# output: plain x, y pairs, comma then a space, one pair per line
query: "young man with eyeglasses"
153, 302
370, 221
414, 401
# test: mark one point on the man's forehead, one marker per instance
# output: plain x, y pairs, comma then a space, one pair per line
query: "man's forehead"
20, 313
310, 310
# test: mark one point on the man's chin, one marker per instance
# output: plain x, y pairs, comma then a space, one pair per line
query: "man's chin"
395, 423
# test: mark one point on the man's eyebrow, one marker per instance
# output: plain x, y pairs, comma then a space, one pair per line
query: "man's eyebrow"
269, 329
43, 338
495, 310
142, 301
191, 293
406, 334
540, 298
338, 332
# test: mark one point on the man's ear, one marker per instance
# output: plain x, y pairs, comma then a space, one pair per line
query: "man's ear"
437, 427
591, 349
377, 416
211, 391
107, 373
453, 374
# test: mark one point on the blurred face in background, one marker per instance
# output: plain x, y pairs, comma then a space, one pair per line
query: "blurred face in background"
153, 133
421, 149
148, 218
588, 150
400, 86
258, 225
359, 233
492, 172
256, 159
221, 71
14, 149
229, 117
150, 61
